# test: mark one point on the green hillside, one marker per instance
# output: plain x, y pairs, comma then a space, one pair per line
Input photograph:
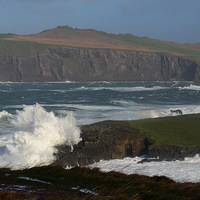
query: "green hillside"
181, 130
89, 38
157, 45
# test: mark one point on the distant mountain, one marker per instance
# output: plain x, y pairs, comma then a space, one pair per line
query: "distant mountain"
65, 53
89, 38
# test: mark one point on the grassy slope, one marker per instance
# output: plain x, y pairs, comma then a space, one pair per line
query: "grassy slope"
161, 46
19, 48
88, 38
184, 130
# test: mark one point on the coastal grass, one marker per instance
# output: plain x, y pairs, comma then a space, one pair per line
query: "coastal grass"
180, 130
84, 183
7, 35
21, 48
158, 45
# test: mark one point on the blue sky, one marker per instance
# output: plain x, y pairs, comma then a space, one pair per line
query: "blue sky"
170, 20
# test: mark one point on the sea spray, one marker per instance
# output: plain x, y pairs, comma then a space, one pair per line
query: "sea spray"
179, 170
37, 133
4, 115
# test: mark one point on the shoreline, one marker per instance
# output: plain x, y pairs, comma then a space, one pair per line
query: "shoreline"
108, 140
54, 182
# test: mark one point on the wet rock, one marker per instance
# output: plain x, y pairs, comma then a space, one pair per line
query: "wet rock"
177, 111
104, 141
172, 152
116, 140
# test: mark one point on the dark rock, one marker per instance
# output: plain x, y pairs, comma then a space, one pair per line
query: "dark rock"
172, 152
116, 140
149, 86
197, 76
177, 111
104, 141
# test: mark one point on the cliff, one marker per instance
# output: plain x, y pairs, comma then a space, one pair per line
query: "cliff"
84, 64
197, 76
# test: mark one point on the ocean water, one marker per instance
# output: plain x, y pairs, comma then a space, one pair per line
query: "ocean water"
35, 117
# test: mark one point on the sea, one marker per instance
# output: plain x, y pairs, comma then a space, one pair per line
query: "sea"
36, 117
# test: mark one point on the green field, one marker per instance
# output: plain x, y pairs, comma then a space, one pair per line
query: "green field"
184, 130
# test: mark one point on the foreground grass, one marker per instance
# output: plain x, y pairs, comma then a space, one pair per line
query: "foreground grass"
181, 130
59, 183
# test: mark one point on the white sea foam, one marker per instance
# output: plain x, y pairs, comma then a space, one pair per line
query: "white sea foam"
141, 111
191, 87
179, 171
34, 180
134, 89
4, 115
166, 111
123, 89
34, 90
122, 110
37, 133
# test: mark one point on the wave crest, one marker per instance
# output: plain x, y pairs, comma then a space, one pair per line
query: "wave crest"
38, 133
4, 115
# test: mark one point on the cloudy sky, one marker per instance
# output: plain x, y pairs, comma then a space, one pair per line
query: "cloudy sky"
170, 20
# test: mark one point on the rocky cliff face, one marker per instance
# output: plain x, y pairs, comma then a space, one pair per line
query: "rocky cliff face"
79, 64
197, 76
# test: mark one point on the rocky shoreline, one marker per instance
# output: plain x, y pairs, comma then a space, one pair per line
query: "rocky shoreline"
116, 140
102, 141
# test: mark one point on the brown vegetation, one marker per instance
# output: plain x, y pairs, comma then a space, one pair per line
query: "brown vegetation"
95, 42
69, 184
87, 38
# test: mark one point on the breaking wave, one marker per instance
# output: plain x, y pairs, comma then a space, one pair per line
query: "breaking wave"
122, 89
179, 171
191, 87
139, 88
4, 115
37, 133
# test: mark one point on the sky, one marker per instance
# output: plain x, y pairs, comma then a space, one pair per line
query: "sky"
169, 20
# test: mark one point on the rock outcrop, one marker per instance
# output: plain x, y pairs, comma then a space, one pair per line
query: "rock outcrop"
197, 76
82, 64
116, 140
172, 152
104, 141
